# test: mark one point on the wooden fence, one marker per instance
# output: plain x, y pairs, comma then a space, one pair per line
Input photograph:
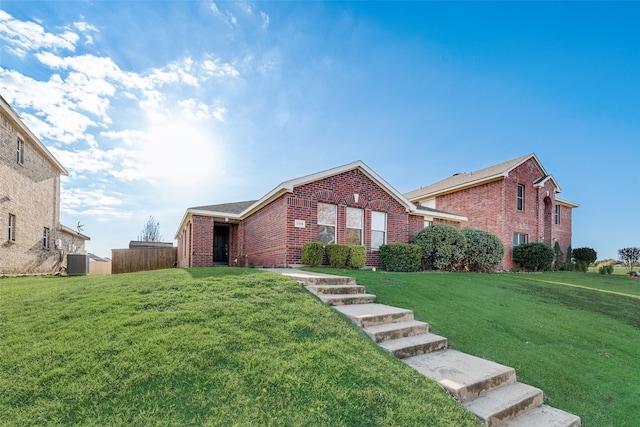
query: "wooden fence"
142, 259
96, 267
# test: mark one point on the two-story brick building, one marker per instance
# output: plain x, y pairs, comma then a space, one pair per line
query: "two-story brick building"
516, 200
33, 240
351, 204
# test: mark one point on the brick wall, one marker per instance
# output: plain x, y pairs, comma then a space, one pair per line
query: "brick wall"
202, 241
31, 192
492, 207
264, 236
340, 190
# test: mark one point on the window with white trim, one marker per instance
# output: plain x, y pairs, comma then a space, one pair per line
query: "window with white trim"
557, 214
520, 197
378, 229
20, 151
12, 228
427, 223
353, 234
327, 220
45, 238
519, 239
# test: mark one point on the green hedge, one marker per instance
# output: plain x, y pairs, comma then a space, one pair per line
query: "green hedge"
357, 256
337, 255
443, 246
534, 256
312, 253
400, 257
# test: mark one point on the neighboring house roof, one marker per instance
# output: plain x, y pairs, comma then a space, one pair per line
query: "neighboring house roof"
75, 233
566, 203
14, 118
463, 180
241, 210
96, 258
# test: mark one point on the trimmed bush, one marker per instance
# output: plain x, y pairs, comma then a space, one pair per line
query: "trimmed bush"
484, 250
337, 255
312, 253
533, 256
357, 256
443, 246
400, 257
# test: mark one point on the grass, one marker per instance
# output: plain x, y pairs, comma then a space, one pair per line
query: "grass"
574, 335
224, 346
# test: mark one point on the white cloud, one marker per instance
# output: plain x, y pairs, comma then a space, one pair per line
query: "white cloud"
93, 202
22, 37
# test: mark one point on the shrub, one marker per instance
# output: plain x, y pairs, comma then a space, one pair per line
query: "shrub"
443, 246
400, 257
581, 266
606, 269
484, 250
312, 253
357, 256
337, 255
587, 255
533, 256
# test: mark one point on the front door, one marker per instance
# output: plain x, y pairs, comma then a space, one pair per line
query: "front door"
220, 245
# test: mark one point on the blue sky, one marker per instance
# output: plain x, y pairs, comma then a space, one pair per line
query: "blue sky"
155, 107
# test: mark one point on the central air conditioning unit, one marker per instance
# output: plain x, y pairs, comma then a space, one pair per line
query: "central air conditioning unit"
77, 264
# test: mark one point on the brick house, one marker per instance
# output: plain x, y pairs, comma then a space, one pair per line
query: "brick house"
516, 200
349, 204
33, 241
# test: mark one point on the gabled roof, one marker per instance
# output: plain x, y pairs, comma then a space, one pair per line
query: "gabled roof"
15, 120
241, 210
464, 180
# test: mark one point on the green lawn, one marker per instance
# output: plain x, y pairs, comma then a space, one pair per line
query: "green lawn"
223, 347
574, 335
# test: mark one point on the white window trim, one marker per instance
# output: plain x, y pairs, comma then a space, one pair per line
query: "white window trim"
12, 228
361, 228
520, 198
384, 230
526, 239
335, 226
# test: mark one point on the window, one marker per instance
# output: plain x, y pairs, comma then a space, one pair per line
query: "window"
378, 229
20, 151
327, 215
45, 238
12, 228
427, 223
519, 239
354, 226
557, 214
520, 197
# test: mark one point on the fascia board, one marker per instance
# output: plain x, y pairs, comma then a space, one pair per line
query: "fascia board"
440, 215
567, 203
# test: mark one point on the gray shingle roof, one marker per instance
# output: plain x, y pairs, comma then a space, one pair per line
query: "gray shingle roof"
466, 179
235, 208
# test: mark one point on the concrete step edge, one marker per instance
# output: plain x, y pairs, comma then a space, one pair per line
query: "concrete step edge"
389, 331
347, 299
365, 315
464, 376
335, 289
414, 345
503, 404
545, 415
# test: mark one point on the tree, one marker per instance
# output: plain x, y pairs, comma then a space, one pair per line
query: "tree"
629, 256
588, 255
150, 232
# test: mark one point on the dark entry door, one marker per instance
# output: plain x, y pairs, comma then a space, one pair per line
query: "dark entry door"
221, 245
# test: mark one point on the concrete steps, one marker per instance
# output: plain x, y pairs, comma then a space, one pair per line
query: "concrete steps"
487, 389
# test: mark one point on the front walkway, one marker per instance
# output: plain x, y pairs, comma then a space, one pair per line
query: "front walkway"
488, 389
